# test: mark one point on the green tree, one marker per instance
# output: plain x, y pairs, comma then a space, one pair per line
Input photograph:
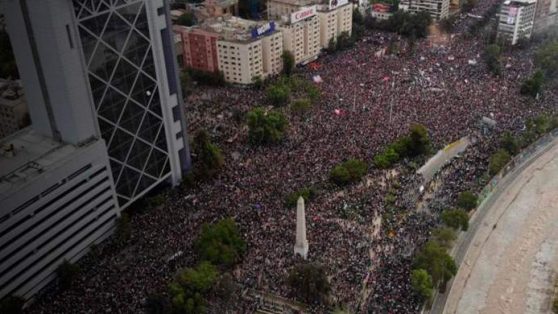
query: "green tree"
199, 279
509, 143
186, 19
266, 127
386, 158
308, 193
467, 200
546, 58
67, 273
492, 58
444, 237
497, 161
12, 305
209, 158
351, 170
300, 106
220, 243
419, 142
533, 85
422, 284
309, 281
288, 62
456, 218
435, 260
188, 292
278, 94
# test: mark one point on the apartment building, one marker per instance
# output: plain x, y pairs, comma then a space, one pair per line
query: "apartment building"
438, 9
516, 20
301, 33
336, 17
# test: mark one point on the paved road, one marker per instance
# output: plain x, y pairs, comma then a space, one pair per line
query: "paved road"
482, 226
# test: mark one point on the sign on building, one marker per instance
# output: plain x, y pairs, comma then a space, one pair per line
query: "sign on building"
333, 4
303, 14
512, 13
265, 29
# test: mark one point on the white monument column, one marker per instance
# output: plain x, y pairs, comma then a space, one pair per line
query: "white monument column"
301, 245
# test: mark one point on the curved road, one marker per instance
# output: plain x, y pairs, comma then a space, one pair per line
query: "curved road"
509, 257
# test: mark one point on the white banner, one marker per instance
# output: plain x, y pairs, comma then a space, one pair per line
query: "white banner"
302, 14
337, 3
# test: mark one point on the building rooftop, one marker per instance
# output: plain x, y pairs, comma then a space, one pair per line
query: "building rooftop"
297, 2
26, 154
232, 28
520, 2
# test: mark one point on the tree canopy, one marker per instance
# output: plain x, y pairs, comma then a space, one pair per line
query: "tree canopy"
349, 171
309, 281
209, 158
422, 283
456, 219
498, 160
437, 262
220, 243
467, 200
266, 127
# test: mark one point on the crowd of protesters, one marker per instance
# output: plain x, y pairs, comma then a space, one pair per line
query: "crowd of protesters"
368, 99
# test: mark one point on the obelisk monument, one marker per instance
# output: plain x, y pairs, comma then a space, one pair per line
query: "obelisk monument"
301, 245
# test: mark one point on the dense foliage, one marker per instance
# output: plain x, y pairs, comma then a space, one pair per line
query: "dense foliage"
189, 290
266, 127
307, 193
467, 200
220, 243
498, 160
456, 219
434, 259
209, 158
309, 281
415, 144
422, 283
349, 171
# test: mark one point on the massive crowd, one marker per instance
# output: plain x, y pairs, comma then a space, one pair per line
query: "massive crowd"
367, 101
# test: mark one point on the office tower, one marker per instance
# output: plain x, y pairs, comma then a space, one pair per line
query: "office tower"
102, 90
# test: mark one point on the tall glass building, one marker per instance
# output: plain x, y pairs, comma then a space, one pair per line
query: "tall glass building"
129, 64
108, 125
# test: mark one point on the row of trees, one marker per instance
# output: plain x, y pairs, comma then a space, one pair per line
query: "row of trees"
219, 247
433, 266
415, 144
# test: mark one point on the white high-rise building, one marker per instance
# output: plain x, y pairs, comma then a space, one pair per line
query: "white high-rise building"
438, 9
516, 20
335, 18
107, 126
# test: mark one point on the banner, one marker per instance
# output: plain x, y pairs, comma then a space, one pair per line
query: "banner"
512, 13
303, 14
263, 30
333, 4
